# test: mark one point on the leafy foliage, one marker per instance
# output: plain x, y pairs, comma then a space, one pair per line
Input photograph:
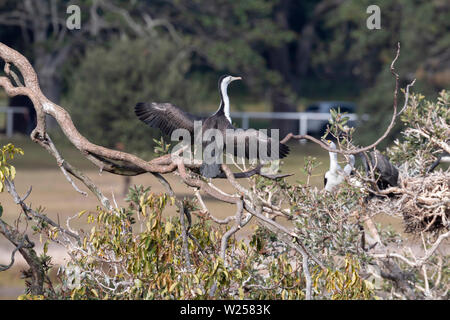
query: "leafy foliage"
7, 171
415, 150
133, 253
346, 284
366, 54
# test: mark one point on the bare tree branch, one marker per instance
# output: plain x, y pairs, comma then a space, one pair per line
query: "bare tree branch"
25, 247
28, 211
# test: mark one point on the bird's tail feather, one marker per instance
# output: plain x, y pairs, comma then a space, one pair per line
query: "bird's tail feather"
284, 150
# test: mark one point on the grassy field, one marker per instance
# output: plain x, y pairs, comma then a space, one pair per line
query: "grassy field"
59, 200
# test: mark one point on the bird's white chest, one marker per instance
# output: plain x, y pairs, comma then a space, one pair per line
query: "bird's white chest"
333, 180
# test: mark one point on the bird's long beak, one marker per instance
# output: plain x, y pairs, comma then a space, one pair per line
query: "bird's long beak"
236, 78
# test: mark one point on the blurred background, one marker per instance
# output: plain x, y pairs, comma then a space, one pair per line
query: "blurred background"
294, 56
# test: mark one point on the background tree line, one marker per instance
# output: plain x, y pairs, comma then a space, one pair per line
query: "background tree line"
289, 53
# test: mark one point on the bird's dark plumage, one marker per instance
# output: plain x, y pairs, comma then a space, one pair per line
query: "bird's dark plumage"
386, 171
252, 135
165, 116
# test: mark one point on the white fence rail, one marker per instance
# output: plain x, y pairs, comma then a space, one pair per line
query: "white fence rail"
9, 111
301, 117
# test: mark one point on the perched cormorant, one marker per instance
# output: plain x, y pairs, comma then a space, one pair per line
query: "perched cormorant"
385, 172
350, 166
168, 118
335, 175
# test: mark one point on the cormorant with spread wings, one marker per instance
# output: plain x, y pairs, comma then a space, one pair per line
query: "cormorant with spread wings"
168, 118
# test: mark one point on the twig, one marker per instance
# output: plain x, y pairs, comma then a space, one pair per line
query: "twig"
406, 97
183, 212
233, 229
18, 247
207, 212
50, 147
12, 190
25, 247
283, 232
307, 276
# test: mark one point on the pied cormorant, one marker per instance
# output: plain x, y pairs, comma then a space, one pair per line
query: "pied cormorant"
168, 118
335, 175
386, 173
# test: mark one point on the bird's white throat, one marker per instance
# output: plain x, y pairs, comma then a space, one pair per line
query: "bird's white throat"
226, 100
334, 162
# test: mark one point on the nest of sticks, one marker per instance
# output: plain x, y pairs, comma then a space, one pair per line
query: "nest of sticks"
427, 204
422, 201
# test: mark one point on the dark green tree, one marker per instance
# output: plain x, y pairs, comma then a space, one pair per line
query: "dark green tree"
111, 80
269, 42
350, 49
236, 37
39, 29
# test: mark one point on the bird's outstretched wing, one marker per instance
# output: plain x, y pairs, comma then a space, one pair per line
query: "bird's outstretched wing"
166, 117
259, 140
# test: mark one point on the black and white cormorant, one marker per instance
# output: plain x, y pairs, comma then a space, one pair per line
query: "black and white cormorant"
385, 172
168, 118
335, 175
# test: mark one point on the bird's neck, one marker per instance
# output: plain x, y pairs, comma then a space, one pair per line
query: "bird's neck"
225, 102
333, 161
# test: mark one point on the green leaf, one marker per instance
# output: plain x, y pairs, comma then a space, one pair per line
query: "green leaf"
12, 173
169, 227
173, 286
46, 247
